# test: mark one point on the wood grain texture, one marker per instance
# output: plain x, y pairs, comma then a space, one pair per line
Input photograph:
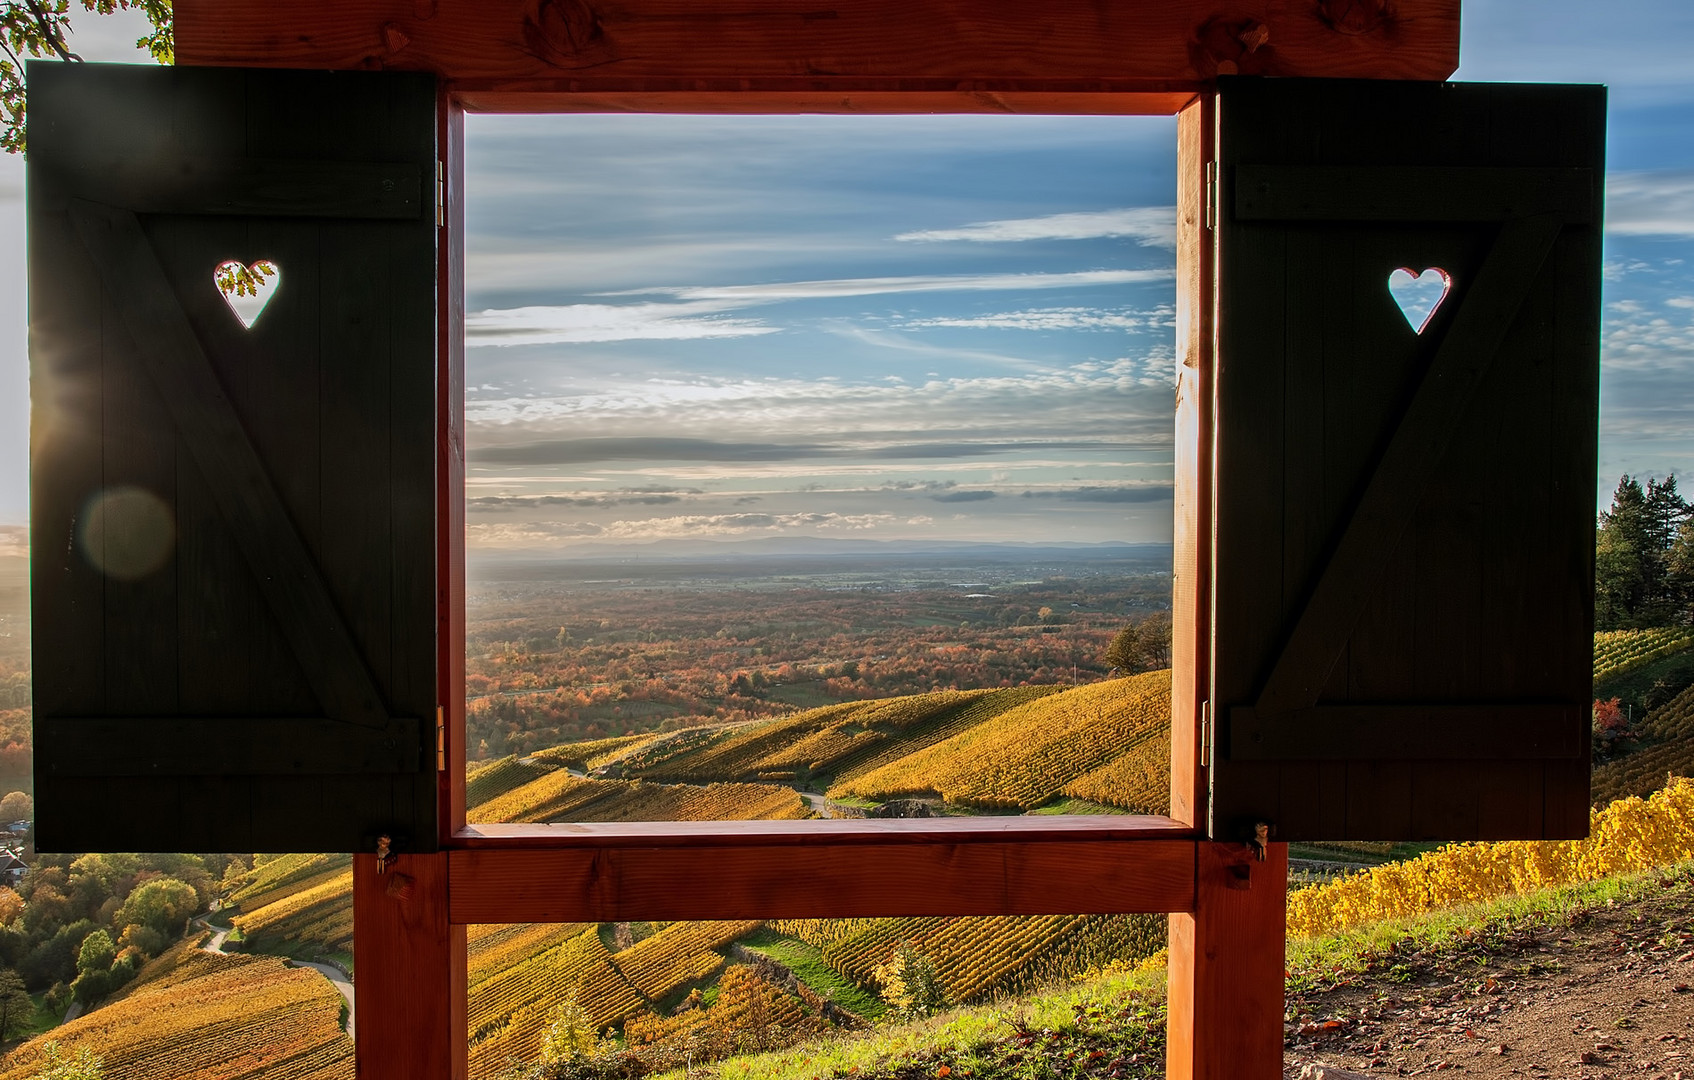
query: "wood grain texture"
312, 430
1411, 193
1226, 969
754, 879
200, 410
836, 831
233, 746
411, 965
450, 469
1191, 535
1484, 314
1357, 567
655, 55
256, 186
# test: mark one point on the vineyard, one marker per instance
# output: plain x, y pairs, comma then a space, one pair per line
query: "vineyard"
1618, 652
559, 796
1023, 757
212, 1017
494, 778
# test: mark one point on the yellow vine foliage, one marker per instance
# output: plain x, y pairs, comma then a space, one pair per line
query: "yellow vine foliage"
1630, 835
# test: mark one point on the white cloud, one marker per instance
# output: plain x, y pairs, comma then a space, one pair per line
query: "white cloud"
1065, 318
14, 542
583, 323
1657, 203
811, 290
1152, 226
532, 533
1117, 398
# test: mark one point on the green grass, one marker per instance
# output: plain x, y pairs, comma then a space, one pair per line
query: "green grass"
1316, 961
1651, 685
986, 1040
806, 962
1064, 804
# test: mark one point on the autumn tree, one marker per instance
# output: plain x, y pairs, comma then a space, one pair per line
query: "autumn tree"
16, 806
1141, 646
163, 903
41, 28
15, 1006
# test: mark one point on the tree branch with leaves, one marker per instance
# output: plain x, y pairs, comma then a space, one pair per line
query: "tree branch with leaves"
40, 29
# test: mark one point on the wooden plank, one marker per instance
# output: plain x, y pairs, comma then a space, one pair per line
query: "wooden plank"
238, 746
1385, 507
1191, 627
284, 570
251, 187
822, 879
666, 47
1225, 995
835, 831
450, 473
1401, 193
411, 965
811, 95
1438, 731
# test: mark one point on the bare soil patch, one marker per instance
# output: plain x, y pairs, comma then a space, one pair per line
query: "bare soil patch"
1604, 991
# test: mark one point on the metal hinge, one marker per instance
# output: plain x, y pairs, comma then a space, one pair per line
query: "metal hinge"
1205, 734
1211, 195
440, 738
440, 193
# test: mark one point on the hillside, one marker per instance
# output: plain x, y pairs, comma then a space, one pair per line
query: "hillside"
197, 1014
785, 979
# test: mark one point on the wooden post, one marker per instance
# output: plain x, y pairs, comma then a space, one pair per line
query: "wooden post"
1226, 968
410, 971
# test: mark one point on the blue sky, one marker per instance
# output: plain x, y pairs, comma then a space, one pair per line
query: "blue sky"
912, 327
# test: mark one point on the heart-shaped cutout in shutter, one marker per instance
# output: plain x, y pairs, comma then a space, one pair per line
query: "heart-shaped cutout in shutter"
1419, 294
247, 289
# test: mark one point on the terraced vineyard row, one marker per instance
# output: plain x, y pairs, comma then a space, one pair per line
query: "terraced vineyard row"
192, 1013
679, 954
591, 754
1617, 652
494, 778
1139, 780
319, 916
560, 796
1021, 758
274, 877
979, 956
507, 1009
1669, 733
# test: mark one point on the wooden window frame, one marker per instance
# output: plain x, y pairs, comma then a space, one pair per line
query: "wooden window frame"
1226, 900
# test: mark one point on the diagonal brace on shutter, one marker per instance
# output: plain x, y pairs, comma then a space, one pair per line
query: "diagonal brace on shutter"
206, 421
1384, 510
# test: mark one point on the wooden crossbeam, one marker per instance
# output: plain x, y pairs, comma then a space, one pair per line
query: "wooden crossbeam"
208, 746
1435, 732
253, 187
206, 422
846, 56
810, 870
1411, 193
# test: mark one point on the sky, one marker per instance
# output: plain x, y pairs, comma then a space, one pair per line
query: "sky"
911, 328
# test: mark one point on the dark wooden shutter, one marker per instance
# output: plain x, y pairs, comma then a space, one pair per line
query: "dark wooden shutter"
262, 677
1405, 522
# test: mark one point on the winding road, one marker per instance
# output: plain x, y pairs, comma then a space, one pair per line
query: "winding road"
337, 977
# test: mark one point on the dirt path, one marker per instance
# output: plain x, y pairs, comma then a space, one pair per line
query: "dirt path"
1606, 995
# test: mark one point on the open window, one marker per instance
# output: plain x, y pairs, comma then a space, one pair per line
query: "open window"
1308, 653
